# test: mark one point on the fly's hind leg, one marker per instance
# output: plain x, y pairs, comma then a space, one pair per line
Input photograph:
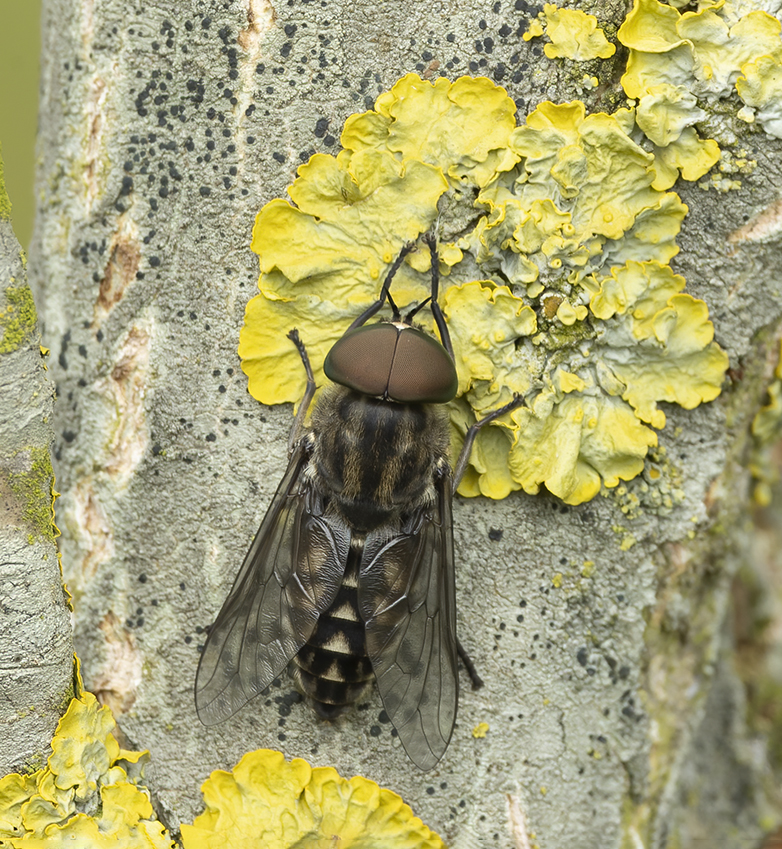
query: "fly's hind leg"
475, 679
309, 392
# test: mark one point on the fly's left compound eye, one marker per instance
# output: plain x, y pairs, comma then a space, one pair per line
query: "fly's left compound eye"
387, 361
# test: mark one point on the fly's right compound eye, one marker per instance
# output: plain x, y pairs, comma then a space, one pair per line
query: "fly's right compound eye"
391, 361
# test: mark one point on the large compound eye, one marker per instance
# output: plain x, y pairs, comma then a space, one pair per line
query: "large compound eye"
362, 359
403, 364
422, 371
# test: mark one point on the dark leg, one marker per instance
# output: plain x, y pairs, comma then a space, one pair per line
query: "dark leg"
476, 680
464, 455
370, 311
298, 422
461, 464
439, 318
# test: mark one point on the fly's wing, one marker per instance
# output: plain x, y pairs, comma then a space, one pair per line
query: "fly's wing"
406, 595
289, 577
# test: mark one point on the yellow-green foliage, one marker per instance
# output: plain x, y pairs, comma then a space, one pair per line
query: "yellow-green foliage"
17, 319
87, 772
573, 304
267, 801
572, 33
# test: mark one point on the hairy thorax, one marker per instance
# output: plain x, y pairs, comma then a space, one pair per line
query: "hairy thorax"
376, 459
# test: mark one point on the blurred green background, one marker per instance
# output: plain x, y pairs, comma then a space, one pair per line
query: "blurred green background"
20, 46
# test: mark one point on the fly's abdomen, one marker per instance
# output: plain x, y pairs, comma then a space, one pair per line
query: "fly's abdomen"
332, 668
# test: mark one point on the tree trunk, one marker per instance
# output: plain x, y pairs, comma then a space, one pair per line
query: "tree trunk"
36, 646
616, 705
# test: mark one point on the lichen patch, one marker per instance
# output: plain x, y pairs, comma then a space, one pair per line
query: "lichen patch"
572, 34
567, 221
88, 794
268, 801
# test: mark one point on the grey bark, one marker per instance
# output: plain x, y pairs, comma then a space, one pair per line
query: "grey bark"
36, 644
614, 705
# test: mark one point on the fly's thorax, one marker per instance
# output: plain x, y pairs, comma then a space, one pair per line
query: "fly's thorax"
377, 459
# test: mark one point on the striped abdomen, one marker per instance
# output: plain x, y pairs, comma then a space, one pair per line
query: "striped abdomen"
332, 668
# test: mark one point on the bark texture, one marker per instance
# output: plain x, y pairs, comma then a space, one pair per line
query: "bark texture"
617, 714
36, 645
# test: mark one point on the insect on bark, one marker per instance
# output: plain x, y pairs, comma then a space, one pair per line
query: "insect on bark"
350, 577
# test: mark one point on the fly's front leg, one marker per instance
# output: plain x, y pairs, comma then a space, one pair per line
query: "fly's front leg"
464, 455
384, 290
437, 313
309, 392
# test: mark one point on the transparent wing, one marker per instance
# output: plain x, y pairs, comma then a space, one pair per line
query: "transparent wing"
289, 577
407, 600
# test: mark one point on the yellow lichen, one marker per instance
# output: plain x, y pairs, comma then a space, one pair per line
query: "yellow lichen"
573, 34
573, 443
760, 87
766, 429
270, 802
17, 319
5, 202
678, 60
689, 156
460, 127
486, 321
573, 306
480, 730
87, 770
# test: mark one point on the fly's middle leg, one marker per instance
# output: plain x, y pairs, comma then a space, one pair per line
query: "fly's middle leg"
464, 454
461, 465
309, 392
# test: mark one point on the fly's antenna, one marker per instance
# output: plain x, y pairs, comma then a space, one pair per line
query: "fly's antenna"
394, 307
384, 291
408, 319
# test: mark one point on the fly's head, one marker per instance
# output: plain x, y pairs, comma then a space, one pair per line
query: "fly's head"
393, 360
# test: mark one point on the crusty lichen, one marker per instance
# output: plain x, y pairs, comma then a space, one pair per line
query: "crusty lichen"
573, 304
17, 319
87, 795
30, 477
5, 202
270, 802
